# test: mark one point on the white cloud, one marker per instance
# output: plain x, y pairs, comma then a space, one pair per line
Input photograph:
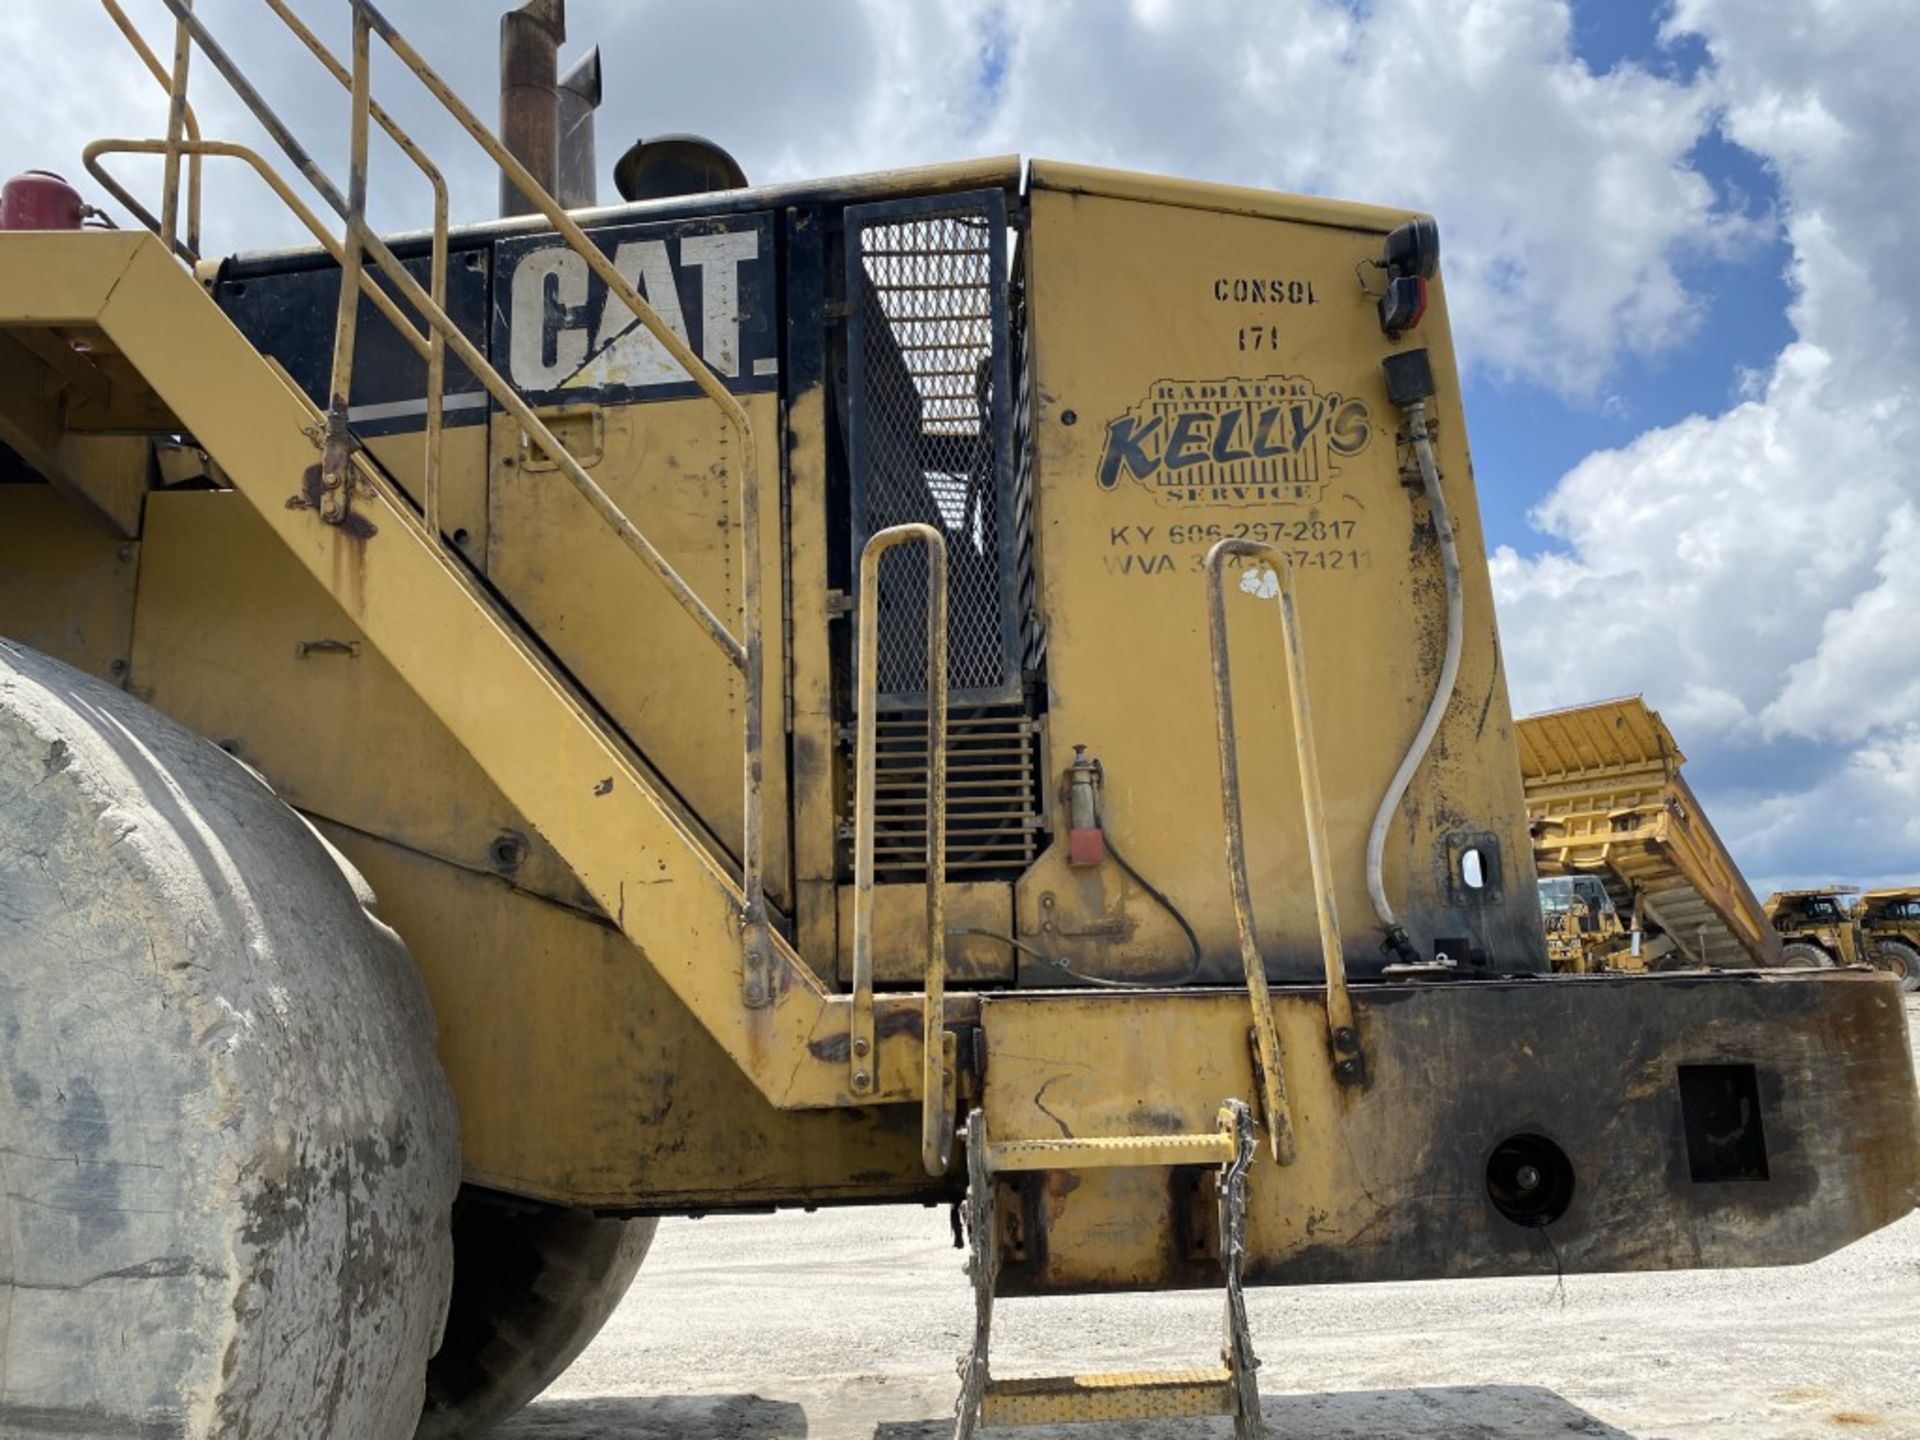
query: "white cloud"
1758, 572
1565, 198
1476, 109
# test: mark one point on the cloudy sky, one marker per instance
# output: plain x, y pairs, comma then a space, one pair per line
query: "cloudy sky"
1677, 250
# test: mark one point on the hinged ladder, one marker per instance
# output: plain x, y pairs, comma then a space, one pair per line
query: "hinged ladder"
1231, 1388
1228, 1389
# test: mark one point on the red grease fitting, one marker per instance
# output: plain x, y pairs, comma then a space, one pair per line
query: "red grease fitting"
40, 200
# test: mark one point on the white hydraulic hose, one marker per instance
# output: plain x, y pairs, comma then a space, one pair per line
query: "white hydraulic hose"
1443, 689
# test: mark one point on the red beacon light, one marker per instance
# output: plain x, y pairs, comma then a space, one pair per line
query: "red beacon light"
41, 200
1412, 255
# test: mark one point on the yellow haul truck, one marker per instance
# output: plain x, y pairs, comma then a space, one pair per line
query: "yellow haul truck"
1819, 927
971, 685
1633, 875
1890, 919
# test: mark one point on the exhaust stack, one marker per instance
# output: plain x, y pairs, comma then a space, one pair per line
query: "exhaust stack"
530, 40
579, 98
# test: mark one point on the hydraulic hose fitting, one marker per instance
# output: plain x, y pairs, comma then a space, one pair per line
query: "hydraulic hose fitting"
1410, 386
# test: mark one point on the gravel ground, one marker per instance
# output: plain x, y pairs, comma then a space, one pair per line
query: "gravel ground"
847, 1324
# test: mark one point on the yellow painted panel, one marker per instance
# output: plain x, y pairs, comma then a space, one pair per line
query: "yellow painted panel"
463, 481
614, 625
236, 640
1071, 179
900, 932
72, 273
66, 581
1202, 375
580, 1078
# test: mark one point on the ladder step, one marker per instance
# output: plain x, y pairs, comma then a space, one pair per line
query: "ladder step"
1117, 1152
1144, 1395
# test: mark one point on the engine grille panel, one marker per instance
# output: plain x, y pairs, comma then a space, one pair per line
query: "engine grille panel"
930, 409
994, 814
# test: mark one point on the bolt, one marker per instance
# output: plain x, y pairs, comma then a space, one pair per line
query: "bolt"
1347, 1069
860, 1047
1069, 417
861, 1080
1527, 1177
1343, 1037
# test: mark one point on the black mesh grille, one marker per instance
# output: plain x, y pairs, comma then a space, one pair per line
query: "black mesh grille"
931, 429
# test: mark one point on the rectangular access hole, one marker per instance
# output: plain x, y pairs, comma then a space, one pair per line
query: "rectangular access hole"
1721, 1108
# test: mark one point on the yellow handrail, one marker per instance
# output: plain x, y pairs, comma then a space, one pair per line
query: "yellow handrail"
1348, 1061
191, 121
194, 149
939, 1076
436, 356
745, 652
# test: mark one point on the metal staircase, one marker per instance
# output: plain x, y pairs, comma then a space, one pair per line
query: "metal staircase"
704, 922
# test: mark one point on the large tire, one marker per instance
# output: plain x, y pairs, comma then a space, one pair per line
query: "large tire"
230, 1154
532, 1285
1805, 952
1903, 960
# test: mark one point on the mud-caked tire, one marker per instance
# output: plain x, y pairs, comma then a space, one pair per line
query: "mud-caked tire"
532, 1286
1901, 959
230, 1154
1805, 953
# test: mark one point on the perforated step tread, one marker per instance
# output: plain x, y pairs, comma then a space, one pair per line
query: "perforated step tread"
1115, 1152
1139, 1395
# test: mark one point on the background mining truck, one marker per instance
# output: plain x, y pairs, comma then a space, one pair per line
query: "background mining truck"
1584, 931
1890, 922
1818, 927
1633, 876
778, 657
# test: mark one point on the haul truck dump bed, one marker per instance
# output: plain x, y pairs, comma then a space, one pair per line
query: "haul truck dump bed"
1606, 798
968, 685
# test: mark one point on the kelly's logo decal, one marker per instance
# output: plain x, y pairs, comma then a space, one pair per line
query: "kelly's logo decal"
1235, 442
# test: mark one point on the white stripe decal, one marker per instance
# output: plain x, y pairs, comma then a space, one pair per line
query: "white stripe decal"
396, 409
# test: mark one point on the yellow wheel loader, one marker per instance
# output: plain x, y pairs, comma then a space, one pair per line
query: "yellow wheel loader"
974, 685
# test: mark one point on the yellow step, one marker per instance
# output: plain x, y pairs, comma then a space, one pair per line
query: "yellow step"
1119, 1152
1141, 1395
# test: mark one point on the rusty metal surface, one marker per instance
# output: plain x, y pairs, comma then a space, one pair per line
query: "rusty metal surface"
1392, 1179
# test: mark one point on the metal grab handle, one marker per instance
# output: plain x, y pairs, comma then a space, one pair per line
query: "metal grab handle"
938, 1069
1349, 1064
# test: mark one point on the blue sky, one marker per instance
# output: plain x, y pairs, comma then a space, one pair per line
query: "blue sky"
1525, 434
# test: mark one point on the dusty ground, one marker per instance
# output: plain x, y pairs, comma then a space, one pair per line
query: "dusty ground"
847, 1324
